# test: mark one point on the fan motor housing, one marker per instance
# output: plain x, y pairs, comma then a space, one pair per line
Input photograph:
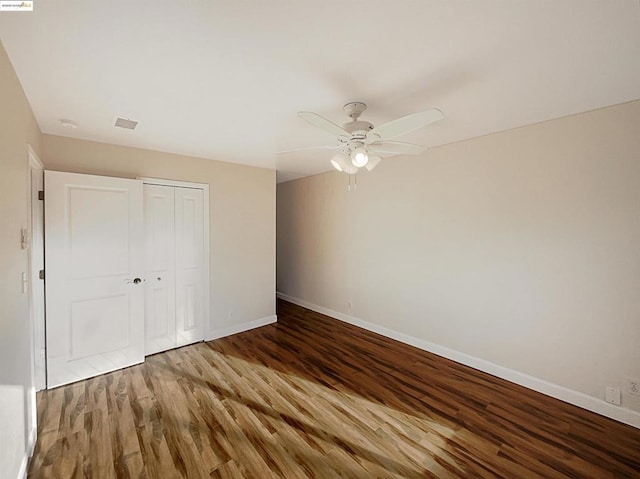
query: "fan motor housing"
359, 125
354, 109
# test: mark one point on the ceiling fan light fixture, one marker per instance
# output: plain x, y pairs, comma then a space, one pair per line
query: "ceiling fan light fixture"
349, 169
359, 157
337, 162
372, 163
361, 143
341, 163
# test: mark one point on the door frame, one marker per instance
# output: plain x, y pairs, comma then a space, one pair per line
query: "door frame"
206, 242
37, 324
31, 413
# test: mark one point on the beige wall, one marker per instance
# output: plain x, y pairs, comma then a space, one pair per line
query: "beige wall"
17, 129
242, 222
520, 248
242, 207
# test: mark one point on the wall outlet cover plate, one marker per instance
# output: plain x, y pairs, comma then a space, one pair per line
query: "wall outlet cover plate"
612, 395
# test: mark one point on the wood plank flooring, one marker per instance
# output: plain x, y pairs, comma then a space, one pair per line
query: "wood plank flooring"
311, 397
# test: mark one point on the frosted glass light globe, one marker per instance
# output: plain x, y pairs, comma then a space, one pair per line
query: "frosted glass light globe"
359, 158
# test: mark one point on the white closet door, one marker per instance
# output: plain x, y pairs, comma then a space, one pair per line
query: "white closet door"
160, 271
93, 264
189, 265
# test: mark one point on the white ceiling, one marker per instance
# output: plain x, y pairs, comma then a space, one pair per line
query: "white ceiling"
224, 79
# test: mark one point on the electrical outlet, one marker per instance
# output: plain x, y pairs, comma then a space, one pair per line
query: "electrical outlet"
634, 387
612, 395
350, 305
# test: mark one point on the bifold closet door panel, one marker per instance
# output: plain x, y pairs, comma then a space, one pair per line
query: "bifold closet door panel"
160, 272
189, 221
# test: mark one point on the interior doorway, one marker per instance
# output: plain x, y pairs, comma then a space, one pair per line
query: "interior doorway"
36, 265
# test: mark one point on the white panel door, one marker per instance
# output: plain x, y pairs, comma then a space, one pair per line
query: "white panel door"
189, 222
160, 270
93, 264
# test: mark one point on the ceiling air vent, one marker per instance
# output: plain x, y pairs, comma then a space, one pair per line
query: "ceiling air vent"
124, 123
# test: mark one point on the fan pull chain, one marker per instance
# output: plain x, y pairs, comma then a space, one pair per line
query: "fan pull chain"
355, 182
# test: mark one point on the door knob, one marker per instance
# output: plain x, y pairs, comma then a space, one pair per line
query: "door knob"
135, 281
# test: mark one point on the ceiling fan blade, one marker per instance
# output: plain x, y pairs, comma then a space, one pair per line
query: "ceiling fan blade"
386, 153
322, 123
399, 147
406, 124
326, 147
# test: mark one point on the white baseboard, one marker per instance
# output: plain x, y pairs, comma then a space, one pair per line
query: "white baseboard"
239, 328
570, 396
31, 445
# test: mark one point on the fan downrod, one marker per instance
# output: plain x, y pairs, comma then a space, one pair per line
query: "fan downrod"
354, 109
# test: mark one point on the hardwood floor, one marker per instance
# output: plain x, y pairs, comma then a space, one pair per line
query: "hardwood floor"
313, 397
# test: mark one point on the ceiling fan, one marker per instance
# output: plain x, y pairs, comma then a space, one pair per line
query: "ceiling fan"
360, 144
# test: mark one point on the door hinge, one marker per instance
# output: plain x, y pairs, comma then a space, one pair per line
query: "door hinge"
41, 195
41, 274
